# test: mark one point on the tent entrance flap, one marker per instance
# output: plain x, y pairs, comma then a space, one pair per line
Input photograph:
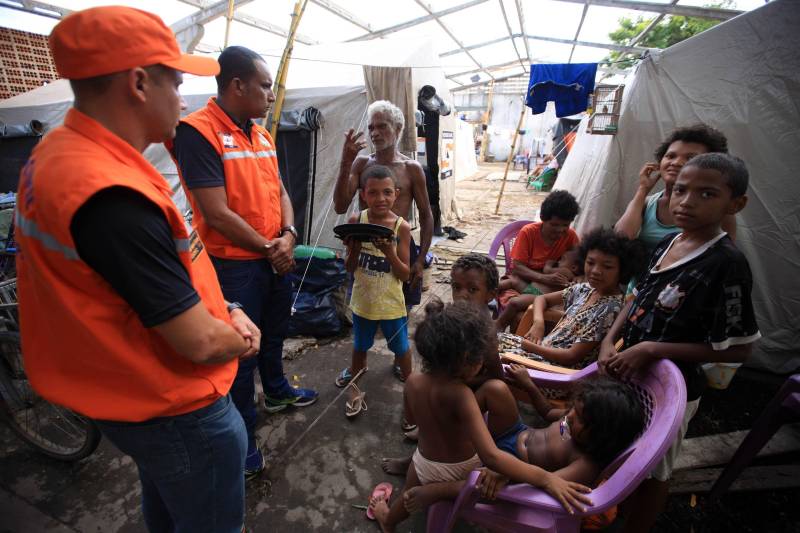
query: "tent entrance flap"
297, 161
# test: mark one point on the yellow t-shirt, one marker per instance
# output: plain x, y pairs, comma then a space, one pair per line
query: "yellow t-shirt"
377, 292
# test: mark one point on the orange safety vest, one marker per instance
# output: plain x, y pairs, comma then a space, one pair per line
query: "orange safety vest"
84, 347
252, 179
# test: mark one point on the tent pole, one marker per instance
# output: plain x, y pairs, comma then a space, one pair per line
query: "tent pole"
228, 22
510, 158
485, 124
283, 68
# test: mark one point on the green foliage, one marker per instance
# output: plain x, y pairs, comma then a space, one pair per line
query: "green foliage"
669, 31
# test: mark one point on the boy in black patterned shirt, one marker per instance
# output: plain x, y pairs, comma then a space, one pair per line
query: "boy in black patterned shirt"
693, 305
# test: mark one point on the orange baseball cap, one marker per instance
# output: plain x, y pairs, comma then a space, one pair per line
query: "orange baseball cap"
104, 40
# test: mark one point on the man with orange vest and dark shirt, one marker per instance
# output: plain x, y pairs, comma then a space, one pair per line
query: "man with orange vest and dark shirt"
229, 169
121, 313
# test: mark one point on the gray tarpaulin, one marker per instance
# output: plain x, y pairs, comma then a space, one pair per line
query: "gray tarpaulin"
742, 77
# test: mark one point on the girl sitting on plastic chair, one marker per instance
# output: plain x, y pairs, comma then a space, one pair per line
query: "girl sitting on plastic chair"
590, 307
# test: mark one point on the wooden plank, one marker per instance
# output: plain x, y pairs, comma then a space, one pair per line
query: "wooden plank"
753, 478
714, 450
535, 365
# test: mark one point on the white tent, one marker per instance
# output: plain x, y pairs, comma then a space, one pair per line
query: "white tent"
329, 78
742, 77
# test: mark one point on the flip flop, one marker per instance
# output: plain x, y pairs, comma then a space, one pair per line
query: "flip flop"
398, 373
381, 489
408, 426
357, 404
345, 377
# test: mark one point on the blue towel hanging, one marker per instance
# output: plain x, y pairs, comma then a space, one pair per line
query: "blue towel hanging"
568, 85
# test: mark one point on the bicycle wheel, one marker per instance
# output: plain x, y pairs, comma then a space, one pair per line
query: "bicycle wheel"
53, 430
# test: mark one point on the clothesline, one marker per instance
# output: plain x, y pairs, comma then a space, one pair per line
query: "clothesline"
357, 64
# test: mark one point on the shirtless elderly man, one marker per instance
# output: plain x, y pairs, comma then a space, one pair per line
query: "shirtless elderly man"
386, 123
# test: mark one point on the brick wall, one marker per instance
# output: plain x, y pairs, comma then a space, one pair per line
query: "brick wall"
25, 62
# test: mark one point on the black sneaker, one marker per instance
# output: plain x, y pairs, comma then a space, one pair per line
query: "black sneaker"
253, 464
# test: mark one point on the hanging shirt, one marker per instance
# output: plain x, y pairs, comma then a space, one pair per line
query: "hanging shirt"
568, 85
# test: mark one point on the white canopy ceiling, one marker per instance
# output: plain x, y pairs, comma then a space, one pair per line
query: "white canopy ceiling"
558, 31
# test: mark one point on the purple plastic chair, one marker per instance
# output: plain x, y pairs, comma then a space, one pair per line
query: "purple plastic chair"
505, 238
522, 507
784, 407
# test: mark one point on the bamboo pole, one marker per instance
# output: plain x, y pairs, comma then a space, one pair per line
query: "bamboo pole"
485, 123
283, 68
510, 158
228, 23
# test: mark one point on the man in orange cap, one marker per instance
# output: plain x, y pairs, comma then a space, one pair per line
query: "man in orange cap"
122, 317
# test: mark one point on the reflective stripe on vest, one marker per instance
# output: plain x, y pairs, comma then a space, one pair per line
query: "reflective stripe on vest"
246, 153
29, 228
252, 179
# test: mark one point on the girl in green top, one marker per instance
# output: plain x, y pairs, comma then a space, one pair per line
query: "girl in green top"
647, 216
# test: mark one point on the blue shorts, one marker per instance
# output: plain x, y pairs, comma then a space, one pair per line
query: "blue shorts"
395, 331
507, 441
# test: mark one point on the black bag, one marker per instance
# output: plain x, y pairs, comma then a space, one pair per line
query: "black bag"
315, 310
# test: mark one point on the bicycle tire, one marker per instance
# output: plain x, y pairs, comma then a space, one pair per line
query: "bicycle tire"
52, 429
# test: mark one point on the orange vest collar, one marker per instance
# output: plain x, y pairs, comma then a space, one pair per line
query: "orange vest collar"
126, 154
221, 115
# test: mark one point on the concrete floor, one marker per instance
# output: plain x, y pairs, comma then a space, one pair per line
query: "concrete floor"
320, 463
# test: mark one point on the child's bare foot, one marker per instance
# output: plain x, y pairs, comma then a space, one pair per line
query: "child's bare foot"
380, 508
418, 498
397, 466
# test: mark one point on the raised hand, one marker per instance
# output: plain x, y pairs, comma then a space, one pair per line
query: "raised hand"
353, 144
648, 176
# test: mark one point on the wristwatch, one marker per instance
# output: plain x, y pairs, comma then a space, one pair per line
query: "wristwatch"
234, 305
290, 229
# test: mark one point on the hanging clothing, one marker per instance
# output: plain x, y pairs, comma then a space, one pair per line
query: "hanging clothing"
568, 85
431, 133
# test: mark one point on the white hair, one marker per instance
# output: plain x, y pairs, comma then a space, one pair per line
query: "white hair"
388, 109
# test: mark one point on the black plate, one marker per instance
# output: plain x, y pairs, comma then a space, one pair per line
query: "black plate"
363, 231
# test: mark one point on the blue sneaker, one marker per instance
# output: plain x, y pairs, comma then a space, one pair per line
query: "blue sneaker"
253, 462
297, 397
